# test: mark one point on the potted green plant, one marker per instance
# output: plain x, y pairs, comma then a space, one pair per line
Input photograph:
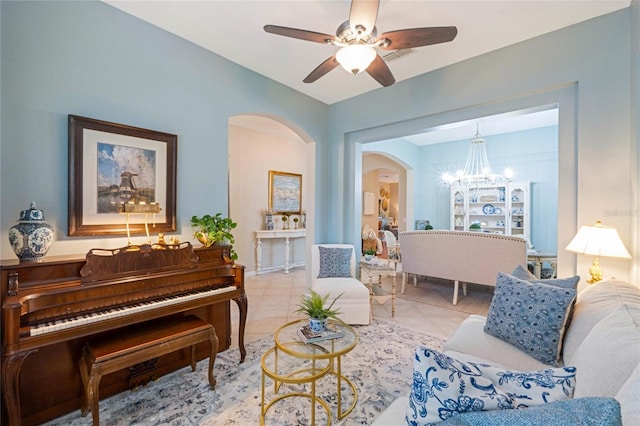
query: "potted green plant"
216, 229
315, 307
368, 254
475, 227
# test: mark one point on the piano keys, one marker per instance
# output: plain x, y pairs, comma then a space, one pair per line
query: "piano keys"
121, 311
50, 308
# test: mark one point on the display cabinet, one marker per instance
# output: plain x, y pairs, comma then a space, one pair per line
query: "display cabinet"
500, 209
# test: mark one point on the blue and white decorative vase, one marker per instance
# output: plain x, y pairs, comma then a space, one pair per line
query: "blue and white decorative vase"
317, 325
31, 238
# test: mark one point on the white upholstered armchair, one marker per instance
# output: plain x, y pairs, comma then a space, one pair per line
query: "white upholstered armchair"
333, 271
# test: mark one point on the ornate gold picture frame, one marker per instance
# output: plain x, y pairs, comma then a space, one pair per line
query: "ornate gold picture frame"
285, 192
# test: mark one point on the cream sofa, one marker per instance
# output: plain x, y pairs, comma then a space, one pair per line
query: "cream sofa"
354, 303
460, 256
602, 342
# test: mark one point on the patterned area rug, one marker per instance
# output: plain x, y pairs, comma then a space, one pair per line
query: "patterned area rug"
380, 366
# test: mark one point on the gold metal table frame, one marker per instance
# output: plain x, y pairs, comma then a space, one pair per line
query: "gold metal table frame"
292, 361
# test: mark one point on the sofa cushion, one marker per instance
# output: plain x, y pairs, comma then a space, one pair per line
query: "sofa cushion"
627, 396
350, 288
444, 386
334, 262
393, 414
609, 354
580, 411
592, 305
470, 338
531, 316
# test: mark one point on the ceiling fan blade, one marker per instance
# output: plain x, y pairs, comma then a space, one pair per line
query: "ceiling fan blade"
416, 37
299, 34
321, 70
363, 14
381, 72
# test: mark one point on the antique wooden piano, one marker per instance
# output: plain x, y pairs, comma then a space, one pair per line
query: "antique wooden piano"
51, 308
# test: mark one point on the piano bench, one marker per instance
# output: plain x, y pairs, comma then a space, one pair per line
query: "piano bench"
137, 344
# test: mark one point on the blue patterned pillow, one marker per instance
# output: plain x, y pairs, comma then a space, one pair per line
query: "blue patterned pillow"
531, 316
444, 387
523, 273
598, 411
571, 282
334, 262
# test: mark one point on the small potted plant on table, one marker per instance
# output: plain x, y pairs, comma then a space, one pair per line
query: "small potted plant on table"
314, 306
368, 254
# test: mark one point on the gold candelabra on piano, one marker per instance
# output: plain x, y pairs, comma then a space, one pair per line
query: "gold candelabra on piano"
141, 207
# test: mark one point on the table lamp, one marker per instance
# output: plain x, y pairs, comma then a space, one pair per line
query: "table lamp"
598, 240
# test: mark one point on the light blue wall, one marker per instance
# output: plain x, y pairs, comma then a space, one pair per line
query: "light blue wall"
88, 58
532, 154
635, 132
584, 68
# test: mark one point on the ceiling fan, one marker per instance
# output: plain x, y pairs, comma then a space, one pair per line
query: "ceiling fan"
357, 39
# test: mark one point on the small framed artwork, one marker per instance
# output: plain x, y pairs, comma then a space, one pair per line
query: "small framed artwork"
116, 169
421, 225
285, 192
368, 200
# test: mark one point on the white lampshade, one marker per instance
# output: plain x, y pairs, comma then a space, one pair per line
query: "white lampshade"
355, 58
598, 240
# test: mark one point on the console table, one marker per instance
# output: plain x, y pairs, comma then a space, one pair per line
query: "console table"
287, 234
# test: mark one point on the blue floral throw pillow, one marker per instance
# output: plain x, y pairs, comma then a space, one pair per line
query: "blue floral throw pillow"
334, 262
444, 387
531, 316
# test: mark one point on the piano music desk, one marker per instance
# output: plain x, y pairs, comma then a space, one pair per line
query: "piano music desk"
138, 344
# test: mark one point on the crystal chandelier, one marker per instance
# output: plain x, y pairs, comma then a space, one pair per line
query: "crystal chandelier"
477, 170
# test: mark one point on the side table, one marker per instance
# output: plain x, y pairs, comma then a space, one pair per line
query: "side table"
538, 256
382, 269
292, 361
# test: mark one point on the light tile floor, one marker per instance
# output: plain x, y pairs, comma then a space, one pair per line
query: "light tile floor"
273, 300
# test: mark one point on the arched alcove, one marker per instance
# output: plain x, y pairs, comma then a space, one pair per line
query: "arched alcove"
259, 143
382, 170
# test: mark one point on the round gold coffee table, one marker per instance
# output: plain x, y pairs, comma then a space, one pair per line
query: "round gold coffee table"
291, 361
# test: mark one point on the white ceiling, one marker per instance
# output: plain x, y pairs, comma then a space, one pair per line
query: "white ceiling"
492, 125
233, 29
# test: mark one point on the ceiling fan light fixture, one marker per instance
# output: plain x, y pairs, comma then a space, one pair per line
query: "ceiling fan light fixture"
355, 58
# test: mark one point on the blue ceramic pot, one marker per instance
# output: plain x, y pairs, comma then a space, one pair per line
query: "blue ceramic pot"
31, 238
317, 325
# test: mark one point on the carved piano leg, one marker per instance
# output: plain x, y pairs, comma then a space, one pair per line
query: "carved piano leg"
242, 306
11, 367
213, 338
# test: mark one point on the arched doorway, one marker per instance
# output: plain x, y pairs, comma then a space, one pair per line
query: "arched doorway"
256, 145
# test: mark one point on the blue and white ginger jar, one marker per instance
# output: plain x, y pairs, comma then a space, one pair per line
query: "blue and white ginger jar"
31, 238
